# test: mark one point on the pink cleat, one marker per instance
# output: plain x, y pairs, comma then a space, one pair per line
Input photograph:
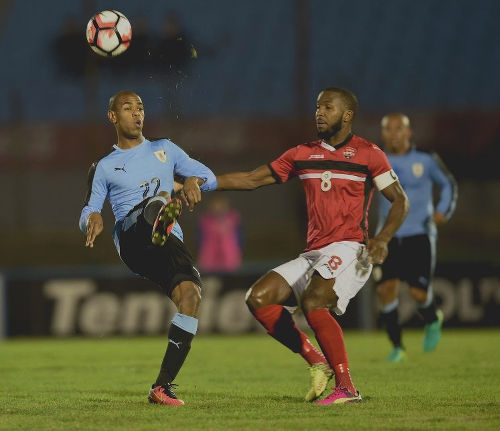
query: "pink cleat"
340, 396
164, 394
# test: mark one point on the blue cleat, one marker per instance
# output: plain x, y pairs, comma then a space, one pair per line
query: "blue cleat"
397, 355
433, 333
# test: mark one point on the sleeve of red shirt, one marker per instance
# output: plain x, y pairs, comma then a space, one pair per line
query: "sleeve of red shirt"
378, 163
283, 167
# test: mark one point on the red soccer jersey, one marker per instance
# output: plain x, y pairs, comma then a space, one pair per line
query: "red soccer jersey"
338, 183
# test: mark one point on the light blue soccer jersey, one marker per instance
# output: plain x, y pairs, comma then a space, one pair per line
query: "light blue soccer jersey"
418, 172
127, 177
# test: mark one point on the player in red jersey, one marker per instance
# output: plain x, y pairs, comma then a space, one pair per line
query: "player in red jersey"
338, 172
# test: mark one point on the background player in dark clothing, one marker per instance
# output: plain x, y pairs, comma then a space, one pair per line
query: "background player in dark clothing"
137, 178
412, 251
338, 172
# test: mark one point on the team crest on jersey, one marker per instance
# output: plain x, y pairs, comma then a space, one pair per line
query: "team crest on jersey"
417, 169
349, 152
161, 155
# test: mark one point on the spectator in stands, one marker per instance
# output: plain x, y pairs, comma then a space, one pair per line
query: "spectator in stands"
220, 238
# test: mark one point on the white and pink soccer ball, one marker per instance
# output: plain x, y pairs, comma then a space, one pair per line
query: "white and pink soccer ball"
109, 33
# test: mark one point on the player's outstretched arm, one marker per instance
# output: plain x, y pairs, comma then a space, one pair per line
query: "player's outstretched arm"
262, 176
377, 246
95, 226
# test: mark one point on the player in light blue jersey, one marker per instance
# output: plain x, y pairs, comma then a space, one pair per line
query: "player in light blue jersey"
412, 251
137, 178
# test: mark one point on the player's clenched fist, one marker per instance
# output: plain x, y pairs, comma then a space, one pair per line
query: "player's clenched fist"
377, 250
191, 192
94, 228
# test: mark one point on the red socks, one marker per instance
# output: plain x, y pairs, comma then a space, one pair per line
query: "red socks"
309, 352
280, 325
329, 335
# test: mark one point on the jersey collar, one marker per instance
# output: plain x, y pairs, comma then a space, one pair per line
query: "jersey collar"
332, 148
410, 151
116, 147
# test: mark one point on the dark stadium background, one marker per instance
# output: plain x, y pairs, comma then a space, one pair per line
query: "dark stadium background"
242, 93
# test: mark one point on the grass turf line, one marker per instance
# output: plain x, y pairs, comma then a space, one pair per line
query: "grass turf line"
247, 382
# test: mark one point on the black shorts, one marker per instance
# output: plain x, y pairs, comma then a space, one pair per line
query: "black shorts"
410, 259
167, 265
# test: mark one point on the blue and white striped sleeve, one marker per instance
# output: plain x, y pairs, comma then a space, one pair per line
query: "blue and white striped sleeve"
96, 194
188, 167
444, 179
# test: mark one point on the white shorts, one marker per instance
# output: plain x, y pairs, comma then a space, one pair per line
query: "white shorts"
345, 261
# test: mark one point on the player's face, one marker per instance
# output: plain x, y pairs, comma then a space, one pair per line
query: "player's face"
129, 116
396, 133
329, 114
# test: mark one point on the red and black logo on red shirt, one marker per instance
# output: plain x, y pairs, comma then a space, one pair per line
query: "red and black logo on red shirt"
349, 152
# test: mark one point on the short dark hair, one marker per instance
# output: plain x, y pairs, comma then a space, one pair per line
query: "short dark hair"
349, 98
404, 118
113, 99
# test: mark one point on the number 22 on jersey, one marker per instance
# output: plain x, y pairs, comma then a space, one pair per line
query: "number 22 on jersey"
145, 184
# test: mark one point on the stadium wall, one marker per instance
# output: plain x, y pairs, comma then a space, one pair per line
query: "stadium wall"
109, 301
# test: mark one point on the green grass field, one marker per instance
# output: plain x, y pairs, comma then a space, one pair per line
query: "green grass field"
248, 382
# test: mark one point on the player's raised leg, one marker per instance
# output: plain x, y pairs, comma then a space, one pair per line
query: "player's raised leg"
187, 297
317, 300
161, 213
388, 292
266, 300
154, 205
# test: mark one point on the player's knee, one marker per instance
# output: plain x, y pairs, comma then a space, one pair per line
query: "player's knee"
256, 298
319, 294
313, 302
419, 295
387, 291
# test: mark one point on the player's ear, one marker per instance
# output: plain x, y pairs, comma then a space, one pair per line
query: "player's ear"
112, 116
348, 115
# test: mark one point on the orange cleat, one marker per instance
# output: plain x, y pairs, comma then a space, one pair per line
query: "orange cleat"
164, 394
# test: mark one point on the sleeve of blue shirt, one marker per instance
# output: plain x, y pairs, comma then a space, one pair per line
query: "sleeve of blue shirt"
443, 178
97, 193
188, 167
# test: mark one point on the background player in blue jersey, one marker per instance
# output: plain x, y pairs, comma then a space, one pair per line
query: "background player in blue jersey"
137, 177
412, 251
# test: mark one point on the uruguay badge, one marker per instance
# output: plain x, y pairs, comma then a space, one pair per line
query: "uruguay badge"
161, 155
417, 169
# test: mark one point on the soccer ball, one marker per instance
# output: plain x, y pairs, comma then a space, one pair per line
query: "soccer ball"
109, 33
